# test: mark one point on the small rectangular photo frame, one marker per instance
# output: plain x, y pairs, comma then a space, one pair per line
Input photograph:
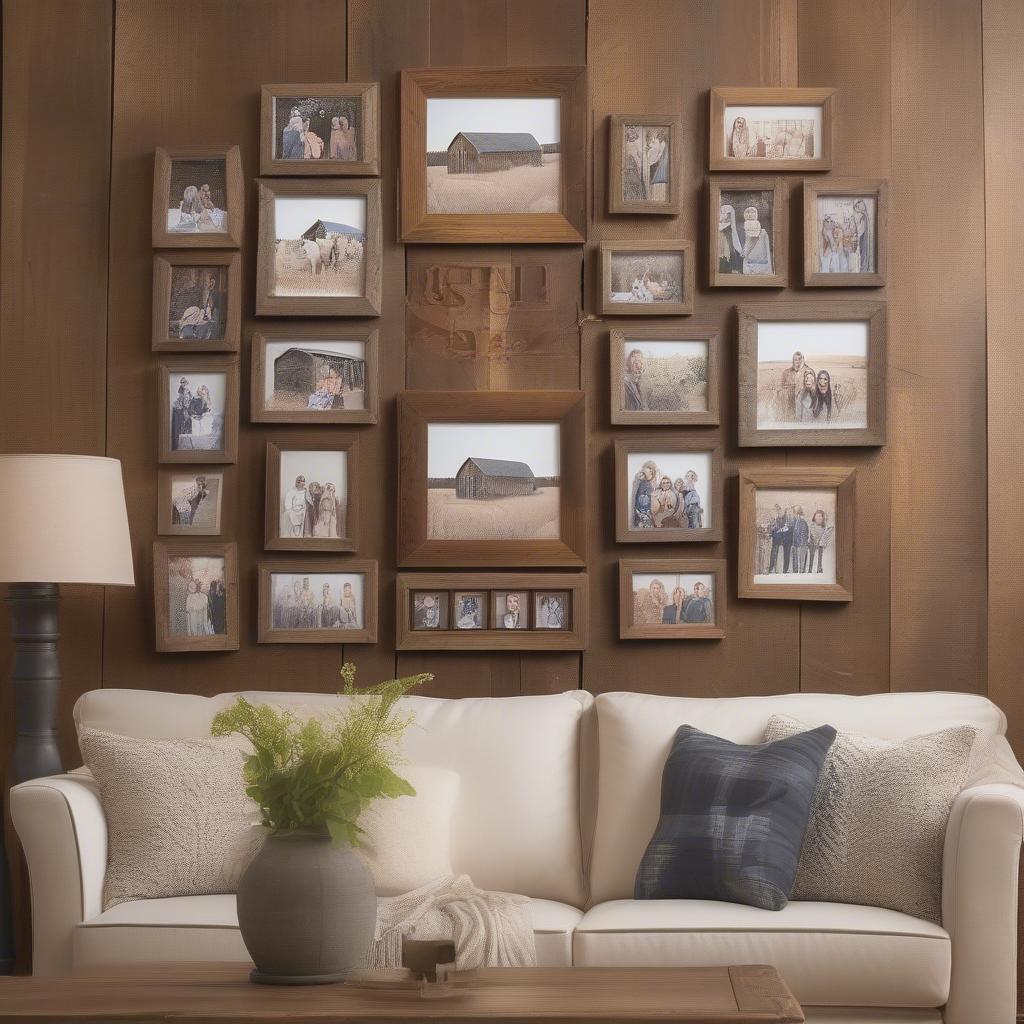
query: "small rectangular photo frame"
645, 163
195, 595
319, 250
315, 373
812, 374
845, 232
552, 609
647, 278
510, 609
197, 301
470, 609
672, 599
326, 129
796, 531
748, 228
668, 489
197, 402
307, 512
198, 198
307, 601
192, 501
770, 129
664, 376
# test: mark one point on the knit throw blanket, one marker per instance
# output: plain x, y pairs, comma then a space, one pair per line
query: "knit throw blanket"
490, 929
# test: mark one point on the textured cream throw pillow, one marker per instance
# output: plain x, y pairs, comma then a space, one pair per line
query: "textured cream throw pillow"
878, 822
178, 820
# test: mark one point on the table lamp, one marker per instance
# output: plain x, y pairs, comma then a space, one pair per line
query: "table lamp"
62, 520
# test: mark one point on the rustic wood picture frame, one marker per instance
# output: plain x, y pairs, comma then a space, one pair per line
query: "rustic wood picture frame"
368, 94
795, 311
617, 124
682, 308
629, 629
874, 188
490, 638
163, 552
163, 269
270, 304
722, 98
618, 337
780, 232
165, 525
567, 84
267, 633
810, 477
227, 365
234, 198
674, 443
272, 512
311, 334
418, 409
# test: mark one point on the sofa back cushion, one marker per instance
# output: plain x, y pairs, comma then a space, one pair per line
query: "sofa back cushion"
635, 734
516, 825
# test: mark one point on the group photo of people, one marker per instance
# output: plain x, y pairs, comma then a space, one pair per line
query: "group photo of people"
661, 499
672, 599
846, 235
316, 602
197, 597
313, 507
796, 535
198, 200
317, 128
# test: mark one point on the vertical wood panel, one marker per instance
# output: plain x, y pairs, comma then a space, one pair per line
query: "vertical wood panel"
937, 348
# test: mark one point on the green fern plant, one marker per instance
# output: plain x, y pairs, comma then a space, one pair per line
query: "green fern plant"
323, 772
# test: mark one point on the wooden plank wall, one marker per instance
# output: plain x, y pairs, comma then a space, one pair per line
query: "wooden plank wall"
928, 97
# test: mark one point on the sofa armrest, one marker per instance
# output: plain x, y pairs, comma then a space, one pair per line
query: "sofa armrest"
979, 903
63, 832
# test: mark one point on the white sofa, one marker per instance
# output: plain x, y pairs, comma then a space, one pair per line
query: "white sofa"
559, 797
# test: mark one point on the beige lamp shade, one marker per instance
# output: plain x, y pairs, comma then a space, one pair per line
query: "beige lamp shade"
63, 520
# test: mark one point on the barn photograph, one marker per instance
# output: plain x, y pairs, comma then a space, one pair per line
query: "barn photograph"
329, 377
493, 155
493, 481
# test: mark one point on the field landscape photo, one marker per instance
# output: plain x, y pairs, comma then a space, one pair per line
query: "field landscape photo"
493, 481
320, 246
790, 354
493, 155
665, 376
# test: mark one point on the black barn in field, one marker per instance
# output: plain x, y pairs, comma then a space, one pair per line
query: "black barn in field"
299, 370
479, 152
493, 478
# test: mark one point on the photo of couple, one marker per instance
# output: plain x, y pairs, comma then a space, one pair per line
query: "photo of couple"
197, 412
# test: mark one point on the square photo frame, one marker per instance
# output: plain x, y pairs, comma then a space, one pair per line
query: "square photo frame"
748, 228
332, 601
309, 373
664, 376
319, 248
494, 155
645, 163
668, 489
510, 609
845, 232
326, 129
470, 609
430, 610
647, 278
197, 403
197, 301
796, 534
198, 198
672, 599
552, 609
812, 374
193, 501
311, 499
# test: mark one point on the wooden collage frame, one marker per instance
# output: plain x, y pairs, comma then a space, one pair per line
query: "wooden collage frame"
164, 263
780, 232
630, 630
617, 124
682, 308
234, 198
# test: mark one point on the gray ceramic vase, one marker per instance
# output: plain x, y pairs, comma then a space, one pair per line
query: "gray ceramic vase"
306, 910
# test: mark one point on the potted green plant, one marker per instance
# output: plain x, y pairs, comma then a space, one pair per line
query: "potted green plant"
306, 902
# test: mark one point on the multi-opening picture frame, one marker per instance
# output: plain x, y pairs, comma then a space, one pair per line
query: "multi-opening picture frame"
326, 129
645, 163
197, 405
845, 232
491, 611
492, 478
197, 301
748, 228
646, 278
770, 129
494, 155
796, 532
672, 599
198, 198
812, 374
306, 601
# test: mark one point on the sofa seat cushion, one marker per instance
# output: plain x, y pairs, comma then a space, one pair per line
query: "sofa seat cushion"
198, 928
830, 954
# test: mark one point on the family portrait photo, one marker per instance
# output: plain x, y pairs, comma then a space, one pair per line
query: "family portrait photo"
493, 155
197, 403
812, 375
198, 303
313, 489
317, 601
669, 490
551, 610
795, 536
846, 234
662, 375
195, 502
317, 128
511, 609
493, 481
196, 597
430, 609
198, 196
773, 132
672, 598
745, 233
470, 609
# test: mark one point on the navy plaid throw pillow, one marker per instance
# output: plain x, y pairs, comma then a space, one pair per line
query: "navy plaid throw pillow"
732, 818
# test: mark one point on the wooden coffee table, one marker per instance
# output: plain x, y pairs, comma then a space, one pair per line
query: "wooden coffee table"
222, 994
